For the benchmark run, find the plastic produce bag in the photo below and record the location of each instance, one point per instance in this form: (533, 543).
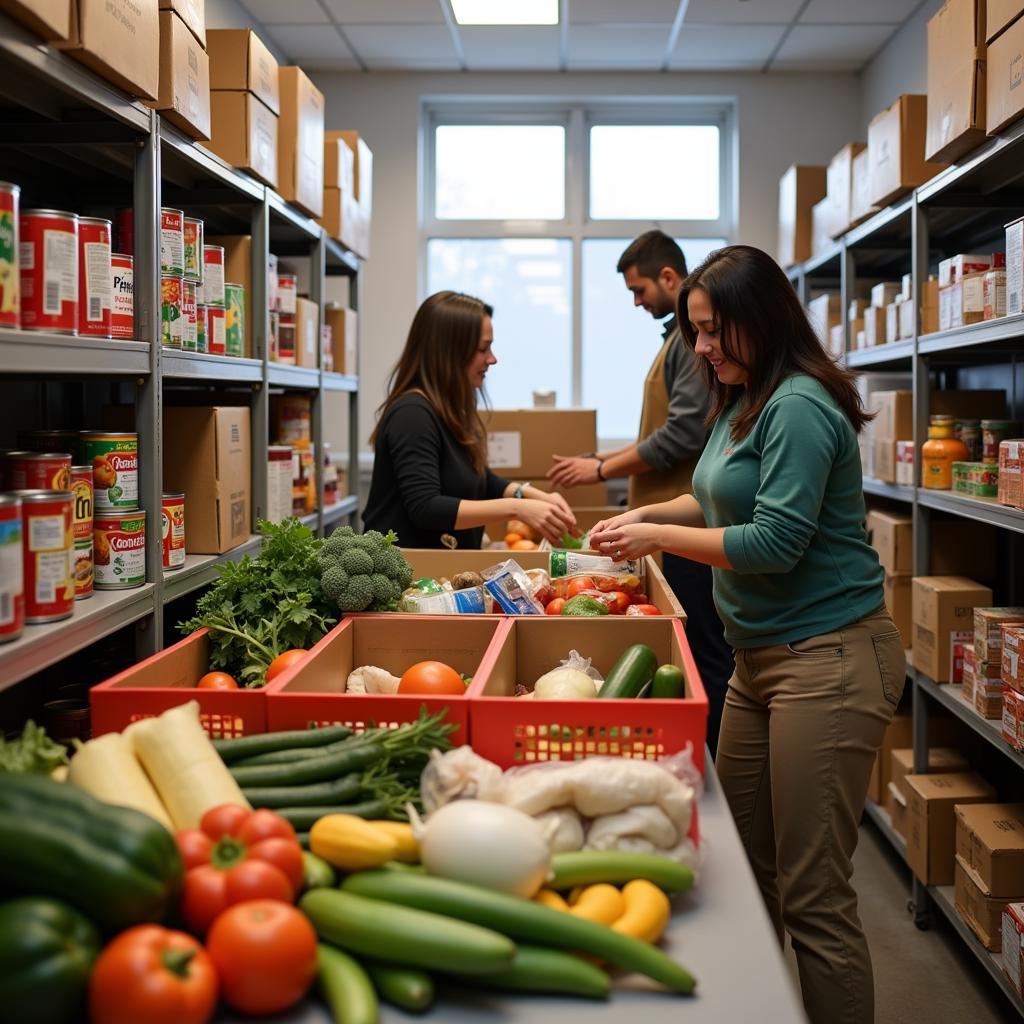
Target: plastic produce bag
(510, 587)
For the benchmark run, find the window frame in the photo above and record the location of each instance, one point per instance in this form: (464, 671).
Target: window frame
(577, 116)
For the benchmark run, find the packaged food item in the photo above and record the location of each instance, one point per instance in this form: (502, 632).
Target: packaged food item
(120, 549)
(115, 468)
(969, 431)
(1013, 718)
(193, 249)
(94, 295)
(939, 453)
(47, 546)
(470, 601)
(286, 341)
(81, 528)
(122, 300)
(1011, 479)
(287, 293)
(213, 275)
(172, 528)
(279, 482)
(189, 328)
(992, 432)
(571, 563)
(10, 308)
(215, 343)
(46, 471)
(510, 587)
(234, 320)
(48, 265)
(905, 463)
(172, 324)
(172, 242)
(12, 593)
(202, 317)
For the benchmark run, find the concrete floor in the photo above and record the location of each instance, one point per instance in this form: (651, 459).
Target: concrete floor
(920, 976)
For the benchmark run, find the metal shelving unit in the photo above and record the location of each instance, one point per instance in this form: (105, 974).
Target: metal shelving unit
(880, 816)
(881, 489)
(130, 157)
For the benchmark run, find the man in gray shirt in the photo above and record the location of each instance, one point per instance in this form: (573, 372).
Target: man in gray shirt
(660, 463)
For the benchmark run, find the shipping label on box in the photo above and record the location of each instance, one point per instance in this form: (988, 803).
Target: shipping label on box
(504, 449)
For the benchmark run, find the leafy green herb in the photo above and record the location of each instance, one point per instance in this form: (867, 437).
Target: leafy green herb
(32, 753)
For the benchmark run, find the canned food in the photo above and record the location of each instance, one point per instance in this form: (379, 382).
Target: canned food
(122, 301)
(94, 295)
(201, 317)
(234, 319)
(215, 330)
(992, 432)
(287, 293)
(52, 441)
(213, 275)
(189, 331)
(171, 319)
(120, 549)
(10, 311)
(279, 482)
(172, 514)
(81, 529)
(46, 548)
(969, 431)
(38, 471)
(48, 260)
(172, 242)
(193, 240)
(115, 468)
(12, 594)
(286, 341)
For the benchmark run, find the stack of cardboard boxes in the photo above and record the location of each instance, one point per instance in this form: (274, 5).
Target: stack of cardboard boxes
(901, 765)
(896, 147)
(300, 144)
(245, 102)
(184, 94)
(983, 672)
(800, 188)
(943, 612)
(972, 288)
(348, 190)
(1004, 36)
(826, 316)
(1012, 672)
(883, 295)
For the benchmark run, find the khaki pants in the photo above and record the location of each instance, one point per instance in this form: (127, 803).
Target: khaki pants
(802, 725)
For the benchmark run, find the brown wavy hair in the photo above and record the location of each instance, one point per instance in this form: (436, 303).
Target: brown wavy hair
(752, 298)
(444, 336)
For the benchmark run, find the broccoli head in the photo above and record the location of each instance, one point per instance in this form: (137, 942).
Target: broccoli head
(356, 562)
(334, 581)
(359, 595)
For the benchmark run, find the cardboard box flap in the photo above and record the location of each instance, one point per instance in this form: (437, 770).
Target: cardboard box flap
(949, 786)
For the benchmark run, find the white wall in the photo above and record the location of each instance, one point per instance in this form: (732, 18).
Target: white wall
(782, 118)
(231, 14)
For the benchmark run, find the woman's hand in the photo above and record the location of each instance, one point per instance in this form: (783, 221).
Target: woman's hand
(620, 540)
(550, 518)
(629, 518)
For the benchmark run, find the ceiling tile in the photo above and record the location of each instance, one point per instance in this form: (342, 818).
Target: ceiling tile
(707, 46)
(414, 64)
(617, 46)
(295, 12)
(510, 47)
(894, 12)
(637, 12)
(376, 12)
(309, 42)
(830, 67)
(853, 42)
(400, 43)
(743, 12)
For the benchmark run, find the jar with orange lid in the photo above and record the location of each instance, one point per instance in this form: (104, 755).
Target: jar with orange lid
(939, 453)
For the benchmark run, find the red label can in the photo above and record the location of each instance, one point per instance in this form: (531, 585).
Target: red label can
(287, 291)
(213, 275)
(120, 549)
(47, 546)
(172, 512)
(9, 283)
(48, 257)
(122, 296)
(94, 297)
(172, 321)
(189, 329)
(215, 337)
(38, 471)
(172, 242)
(81, 529)
(12, 594)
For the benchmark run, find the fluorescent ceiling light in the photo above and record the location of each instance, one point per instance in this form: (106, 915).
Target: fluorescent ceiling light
(505, 12)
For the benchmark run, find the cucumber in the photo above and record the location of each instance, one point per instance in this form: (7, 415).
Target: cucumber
(335, 791)
(404, 935)
(669, 682)
(302, 839)
(316, 872)
(317, 769)
(303, 818)
(346, 987)
(630, 674)
(517, 918)
(291, 754)
(404, 987)
(249, 746)
(588, 867)
(536, 969)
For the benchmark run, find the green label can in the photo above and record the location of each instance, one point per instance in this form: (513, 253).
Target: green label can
(172, 315)
(190, 328)
(119, 550)
(115, 468)
(234, 319)
(201, 328)
(9, 276)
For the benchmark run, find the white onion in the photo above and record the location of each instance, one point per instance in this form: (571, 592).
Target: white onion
(486, 844)
(564, 684)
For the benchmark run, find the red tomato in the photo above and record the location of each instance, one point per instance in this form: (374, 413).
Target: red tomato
(264, 825)
(224, 820)
(605, 583)
(265, 954)
(579, 583)
(639, 599)
(432, 677)
(217, 681)
(643, 609)
(555, 607)
(209, 891)
(283, 854)
(195, 847)
(545, 595)
(618, 602)
(286, 660)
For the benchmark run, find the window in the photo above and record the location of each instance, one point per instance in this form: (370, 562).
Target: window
(529, 208)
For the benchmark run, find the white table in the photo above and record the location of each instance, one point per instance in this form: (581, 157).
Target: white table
(720, 931)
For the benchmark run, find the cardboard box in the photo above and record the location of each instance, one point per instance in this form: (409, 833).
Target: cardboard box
(931, 820)
(241, 62)
(49, 19)
(894, 413)
(892, 322)
(982, 914)
(892, 536)
(300, 142)
(883, 459)
(994, 292)
(874, 326)
(1011, 482)
(990, 840)
(940, 759)
(799, 189)
(1011, 658)
(1013, 946)
(884, 293)
(184, 97)
(999, 14)
(238, 270)
(344, 326)
(243, 131)
(1004, 95)
(1013, 717)
(900, 733)
(898, 603)
(821, 226)
(307, 333)
(929, 307)
(861, 206)
(989, 626)
(339, 163)
(212, 466)
(956, 80)
(193, 13)
(943, 605)
(824, 313)
(341, 218)
(905, 319)
(362, 168)
(896, 144)
(839, 182)
(120, 41)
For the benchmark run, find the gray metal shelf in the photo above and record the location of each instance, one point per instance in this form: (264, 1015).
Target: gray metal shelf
(199, 570)
(285, 376)
(983, 510)
(954, 178)
(340, 382)
(880, 816)
(345, 507)
(821, 265)
(340, 258)
(881, 355)
(879, 488)
(989, 332)
(299, 222)
(210, 165)
(28, 353)
(864, 233)
(200, 366)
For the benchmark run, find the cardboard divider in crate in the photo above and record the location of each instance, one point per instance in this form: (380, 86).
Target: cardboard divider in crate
(168, 679)
(313, 692)
(437, 562)
(514, 731)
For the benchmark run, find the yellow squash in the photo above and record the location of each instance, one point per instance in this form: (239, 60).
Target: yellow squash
(647, 911)
(407, 846)
(602, 903)
(552, 899)
(350, 843)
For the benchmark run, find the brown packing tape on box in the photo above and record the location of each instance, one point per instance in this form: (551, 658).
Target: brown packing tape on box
(49, 19)
(244, 133)
(184, 97)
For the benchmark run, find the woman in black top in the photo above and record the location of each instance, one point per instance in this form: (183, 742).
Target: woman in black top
(430, 478)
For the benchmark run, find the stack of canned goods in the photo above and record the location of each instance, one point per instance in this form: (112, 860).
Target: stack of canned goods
(287, 292)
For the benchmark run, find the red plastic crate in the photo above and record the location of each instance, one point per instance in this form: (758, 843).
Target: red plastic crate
(311, 692)
(514, 731)
(168, 679)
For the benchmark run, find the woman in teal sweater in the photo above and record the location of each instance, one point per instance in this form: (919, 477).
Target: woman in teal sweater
(778, 512)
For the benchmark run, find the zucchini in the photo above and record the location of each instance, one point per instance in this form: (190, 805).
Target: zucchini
(669, 683)
(316, 872)
(316, 769)
(587, 867)
(250, 746)
(536, 969)
(303, 818)
(630, 674)
(404, 987)
(516, 918)
(404, 935)
(335, 791)
(346, 987)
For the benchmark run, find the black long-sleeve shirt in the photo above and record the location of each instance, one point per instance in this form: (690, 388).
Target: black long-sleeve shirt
(420, 474)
